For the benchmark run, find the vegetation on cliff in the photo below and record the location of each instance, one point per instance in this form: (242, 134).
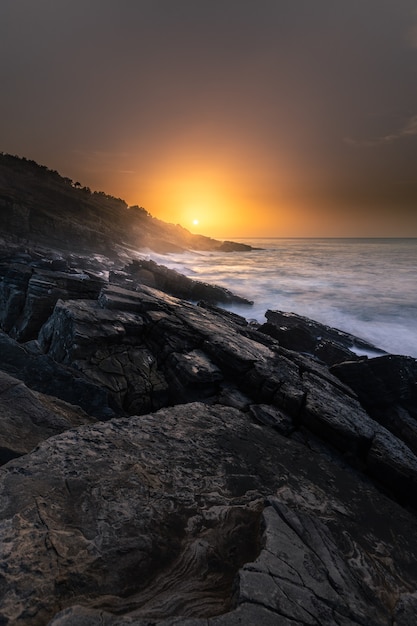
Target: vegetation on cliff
(40, 205)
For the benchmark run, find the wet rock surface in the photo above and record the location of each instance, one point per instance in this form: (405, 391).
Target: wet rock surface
(305, 335)
(147, 272)
(167, 462)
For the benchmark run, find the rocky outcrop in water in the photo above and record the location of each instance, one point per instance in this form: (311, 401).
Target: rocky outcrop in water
(305, 335)
(147, 272)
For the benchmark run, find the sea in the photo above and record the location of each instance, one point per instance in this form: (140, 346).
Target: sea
(367, 287)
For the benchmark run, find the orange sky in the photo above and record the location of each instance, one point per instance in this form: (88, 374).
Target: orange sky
(267, 118)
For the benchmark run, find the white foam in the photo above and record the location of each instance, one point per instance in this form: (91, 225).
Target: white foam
(363, 287)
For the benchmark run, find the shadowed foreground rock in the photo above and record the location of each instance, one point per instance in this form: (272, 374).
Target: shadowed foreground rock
(195, 512)
(27, 418)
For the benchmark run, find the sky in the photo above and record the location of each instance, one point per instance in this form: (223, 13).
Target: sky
(254, 118)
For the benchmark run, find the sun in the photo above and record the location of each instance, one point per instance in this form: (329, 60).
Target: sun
(195, 222)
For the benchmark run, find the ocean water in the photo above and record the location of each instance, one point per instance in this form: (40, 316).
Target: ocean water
(367, 287)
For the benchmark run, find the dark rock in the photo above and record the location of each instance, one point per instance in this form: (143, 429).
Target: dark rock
(14, 279)
(406, 610)
(28, 294)
(299, 333)
(193, 375)
(233, 246)
(387, 388)
(147, 349)
(227, 315)
(271, 416)
(13, 357)
(381, 381)
(166, 519)
(41, 373)
(27, 418)
(336, 417)
(45, 288)
(392, 463)
(106, 346)
(170, 281)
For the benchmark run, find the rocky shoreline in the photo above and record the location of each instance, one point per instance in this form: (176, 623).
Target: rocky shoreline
(166, 462)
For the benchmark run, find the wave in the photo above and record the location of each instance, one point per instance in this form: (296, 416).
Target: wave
(362, 286)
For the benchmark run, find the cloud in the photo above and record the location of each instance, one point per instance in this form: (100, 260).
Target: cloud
(409, 129)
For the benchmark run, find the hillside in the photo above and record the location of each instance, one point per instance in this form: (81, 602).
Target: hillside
(39, 205)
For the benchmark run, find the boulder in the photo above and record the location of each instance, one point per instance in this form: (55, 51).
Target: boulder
(105, 345)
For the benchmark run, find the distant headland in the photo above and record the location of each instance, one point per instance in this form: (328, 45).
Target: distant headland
(39, 205)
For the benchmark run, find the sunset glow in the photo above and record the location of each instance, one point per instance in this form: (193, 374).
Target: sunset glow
(255, 120)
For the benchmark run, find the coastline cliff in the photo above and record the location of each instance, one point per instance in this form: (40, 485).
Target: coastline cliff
(39, 205)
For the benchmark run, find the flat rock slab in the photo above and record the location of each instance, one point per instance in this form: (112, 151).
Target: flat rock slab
(196, 515)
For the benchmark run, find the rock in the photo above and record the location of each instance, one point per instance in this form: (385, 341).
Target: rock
(270, 416)
(196, 515)
(147, 350)
(193, 375)
(106, 346)
(387, 388)
(301, 574)
(14, 279)
(382, 381)
(336, 417)
(392, 463)
(299, 333)
(41, 373)
(406, 610)
(172, 282)
(233, 246)
(27, 418)
(28, 293)
(45, 288)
